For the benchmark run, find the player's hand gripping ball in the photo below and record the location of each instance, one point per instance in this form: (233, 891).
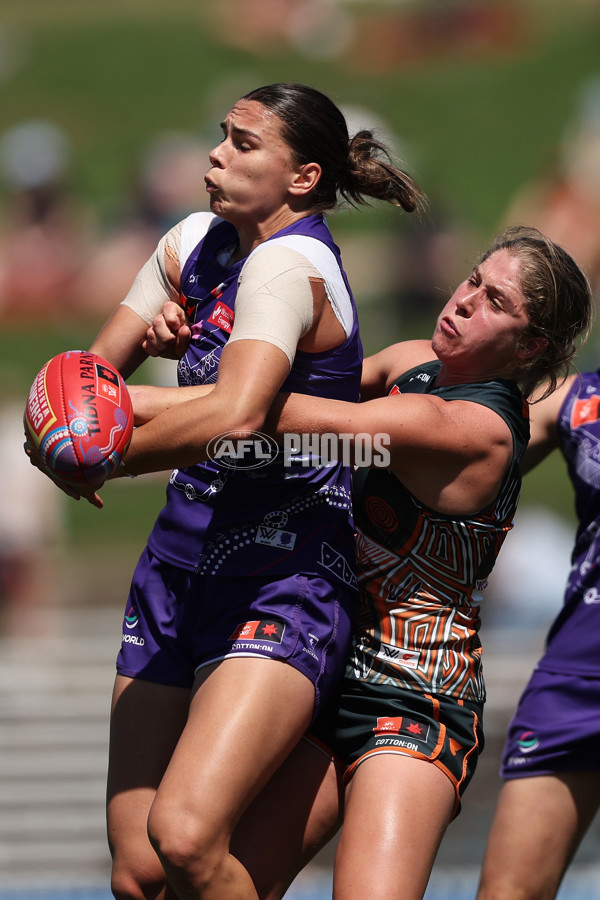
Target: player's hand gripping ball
(79, 418)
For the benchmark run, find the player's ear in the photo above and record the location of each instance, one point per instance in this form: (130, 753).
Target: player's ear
(305, 179)
(531, 347)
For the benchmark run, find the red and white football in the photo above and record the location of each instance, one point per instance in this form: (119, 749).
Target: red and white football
(79, 417)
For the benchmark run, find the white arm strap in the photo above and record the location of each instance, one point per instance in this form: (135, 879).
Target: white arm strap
(152, 288)
(274, 302)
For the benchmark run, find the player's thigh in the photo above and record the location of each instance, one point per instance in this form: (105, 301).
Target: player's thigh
(538, 825)
(294, 816)
(397, 810)
(146, 722)
(246, 716)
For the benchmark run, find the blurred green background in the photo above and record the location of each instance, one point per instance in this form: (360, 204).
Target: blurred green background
(479, 99)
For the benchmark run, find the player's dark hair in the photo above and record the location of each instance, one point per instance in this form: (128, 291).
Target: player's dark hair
(351, 168)
(559, 300)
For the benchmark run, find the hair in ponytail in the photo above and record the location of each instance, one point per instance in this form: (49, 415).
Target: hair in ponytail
(372, 173)
(352, 169)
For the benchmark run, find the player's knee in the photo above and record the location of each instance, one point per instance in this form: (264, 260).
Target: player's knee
(129, 885)
(186, 848)
(137, 873)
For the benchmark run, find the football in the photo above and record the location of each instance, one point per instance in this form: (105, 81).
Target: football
(79, 417)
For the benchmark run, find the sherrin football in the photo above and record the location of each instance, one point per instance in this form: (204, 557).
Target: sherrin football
(79, 417)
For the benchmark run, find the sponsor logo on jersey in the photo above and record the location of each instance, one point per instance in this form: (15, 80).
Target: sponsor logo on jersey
(398, 655)
(260, 630)
(222, 316)
(275, 537)
(417, 731)
(585, 409)
(190, 303)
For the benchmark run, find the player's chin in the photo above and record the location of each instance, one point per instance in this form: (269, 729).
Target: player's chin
(219, 206)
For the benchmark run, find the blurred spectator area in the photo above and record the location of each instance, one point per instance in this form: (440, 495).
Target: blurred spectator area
(57, 256)
(372, 40)
(44, 228)
(563, 200)
(32, 532)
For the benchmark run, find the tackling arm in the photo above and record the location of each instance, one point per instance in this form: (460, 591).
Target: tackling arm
(450, 454)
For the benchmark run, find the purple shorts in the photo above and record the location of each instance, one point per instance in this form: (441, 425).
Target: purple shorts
(177, 621)
(556, 727)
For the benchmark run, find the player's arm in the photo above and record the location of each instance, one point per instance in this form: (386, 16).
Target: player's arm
(250, 374)
(281, 285)
(448, 453)
(122, 340)
(381, 369)
(274, 309)
(544, 424)
(149, 400)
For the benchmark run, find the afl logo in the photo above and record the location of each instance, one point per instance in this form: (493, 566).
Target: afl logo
(249, 452)
(381, 514)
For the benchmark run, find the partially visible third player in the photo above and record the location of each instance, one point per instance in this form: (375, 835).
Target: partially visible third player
(552, 785)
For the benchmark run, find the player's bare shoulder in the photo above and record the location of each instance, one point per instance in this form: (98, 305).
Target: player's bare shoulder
(399, 358)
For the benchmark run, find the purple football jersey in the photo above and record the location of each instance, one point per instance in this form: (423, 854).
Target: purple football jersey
(573, 644)
(253, 519)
